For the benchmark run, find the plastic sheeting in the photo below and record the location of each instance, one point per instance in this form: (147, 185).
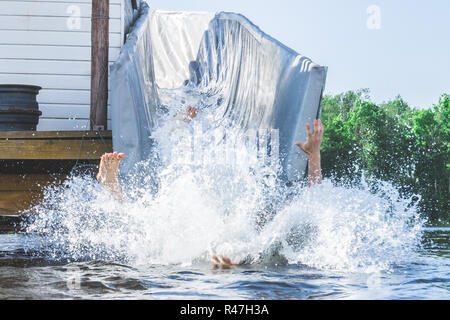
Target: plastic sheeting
(264, 84)
(130, 14)
(134, 97)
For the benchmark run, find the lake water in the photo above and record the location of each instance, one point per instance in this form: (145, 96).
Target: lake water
(211, 188)
(28, 274)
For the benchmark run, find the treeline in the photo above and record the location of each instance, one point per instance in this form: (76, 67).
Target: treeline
(391, 142)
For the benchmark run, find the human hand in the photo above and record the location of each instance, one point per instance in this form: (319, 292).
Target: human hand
(312, 145)
(222, 262)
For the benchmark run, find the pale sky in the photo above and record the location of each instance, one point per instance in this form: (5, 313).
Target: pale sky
(408, 55)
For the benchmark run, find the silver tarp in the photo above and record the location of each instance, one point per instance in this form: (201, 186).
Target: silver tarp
(264, 84)
(130, 13)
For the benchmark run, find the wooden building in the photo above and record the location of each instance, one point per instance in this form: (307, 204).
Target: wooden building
(47, 43)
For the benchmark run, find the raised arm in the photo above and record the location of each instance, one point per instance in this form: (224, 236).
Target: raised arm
(108, 174)
(312, 149)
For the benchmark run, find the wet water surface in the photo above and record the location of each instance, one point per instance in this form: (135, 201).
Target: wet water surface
(25, 274)
(209, 187)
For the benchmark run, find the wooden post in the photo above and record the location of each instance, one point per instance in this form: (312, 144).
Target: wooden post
(99, 64)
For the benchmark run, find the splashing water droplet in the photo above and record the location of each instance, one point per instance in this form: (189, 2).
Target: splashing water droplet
(184, 206)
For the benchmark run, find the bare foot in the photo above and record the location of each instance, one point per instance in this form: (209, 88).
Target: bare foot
(222, 262)
(109, 167)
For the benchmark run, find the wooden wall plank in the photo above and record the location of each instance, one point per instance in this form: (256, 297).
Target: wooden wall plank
(33, 135)
(64, 96)
(54, 149)
(42, 52)
(61, 111)
(70, 1)
(39, 46)
(50, 81)
(61, 96)
(55, 9)
(28, 182)
(53, 38)
(64, 124)
(51, 24)
(13, 202)
(46, 67)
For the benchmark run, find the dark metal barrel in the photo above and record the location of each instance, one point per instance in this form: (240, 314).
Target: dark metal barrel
(19, 110)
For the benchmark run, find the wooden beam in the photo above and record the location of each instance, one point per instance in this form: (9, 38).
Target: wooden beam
(32, 160)
(54, 145)
(19, 192)
(99, 64)
(13, 202)
(54, 134)
(10, 223)
(53, 149)
(29, 182)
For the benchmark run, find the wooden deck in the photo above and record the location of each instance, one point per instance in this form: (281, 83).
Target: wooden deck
(29, 161)
(54, 145)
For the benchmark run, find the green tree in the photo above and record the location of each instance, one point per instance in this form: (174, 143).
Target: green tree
(390, 142)
(430, 128)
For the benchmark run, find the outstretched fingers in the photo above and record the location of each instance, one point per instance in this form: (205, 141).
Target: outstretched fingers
(300, 145)
(312, 138)
(222, 262)
(226, 260)
(216, 261)
(320, 127)
(308, 130)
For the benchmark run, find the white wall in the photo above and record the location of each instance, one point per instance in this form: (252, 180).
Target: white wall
(48, 43)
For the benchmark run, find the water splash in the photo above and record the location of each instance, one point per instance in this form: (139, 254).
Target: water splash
(346, 229)
(207, 191)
